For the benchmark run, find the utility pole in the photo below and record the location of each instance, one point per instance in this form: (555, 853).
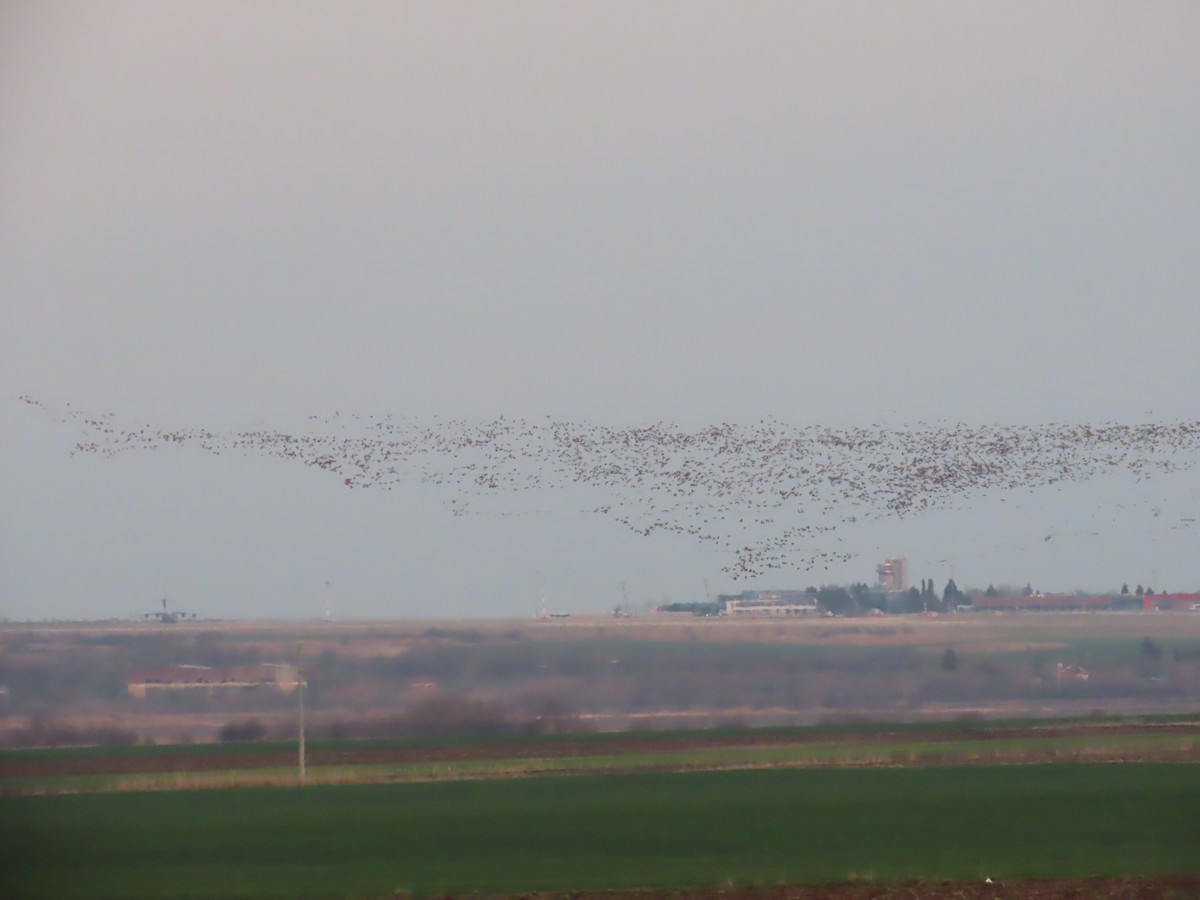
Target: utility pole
(300, 691)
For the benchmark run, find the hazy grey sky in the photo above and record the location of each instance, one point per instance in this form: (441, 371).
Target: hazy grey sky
(219, 214)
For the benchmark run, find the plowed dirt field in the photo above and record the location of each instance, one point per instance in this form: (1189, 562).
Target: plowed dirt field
(1172, 887)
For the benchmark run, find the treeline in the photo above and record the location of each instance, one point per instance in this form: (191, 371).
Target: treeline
(863, 599)
(43, 732)
(456, 683)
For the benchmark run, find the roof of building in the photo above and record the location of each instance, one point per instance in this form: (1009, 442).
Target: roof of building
(192, 674)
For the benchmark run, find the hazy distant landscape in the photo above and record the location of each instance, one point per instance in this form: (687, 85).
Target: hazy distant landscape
(70, 684)
(873, 756)
(491, 450)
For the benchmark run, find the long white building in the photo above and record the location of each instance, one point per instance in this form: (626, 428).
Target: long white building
(772, 603)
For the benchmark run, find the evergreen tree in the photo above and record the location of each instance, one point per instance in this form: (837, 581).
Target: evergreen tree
(951, 594)
(912, 602)
(836, 600)
(861, 593)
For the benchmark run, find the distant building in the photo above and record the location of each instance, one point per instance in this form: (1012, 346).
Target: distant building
(771, 603)
(1185, 602)
(1071, 673)
(1044, 603)
(892, 574)
(281, 677)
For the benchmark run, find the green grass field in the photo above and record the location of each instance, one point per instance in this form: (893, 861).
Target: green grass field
(140, 768)
(656, 830)
(967, 727)
(1169, 747)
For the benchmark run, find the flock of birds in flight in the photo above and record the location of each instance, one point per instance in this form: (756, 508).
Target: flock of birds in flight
(770, 495)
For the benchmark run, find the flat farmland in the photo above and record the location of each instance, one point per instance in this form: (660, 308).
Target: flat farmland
(92, 769)
(905, 757)
(68, 682)
(653, 830)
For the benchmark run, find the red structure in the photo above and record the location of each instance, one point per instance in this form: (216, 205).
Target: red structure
(1171, 601)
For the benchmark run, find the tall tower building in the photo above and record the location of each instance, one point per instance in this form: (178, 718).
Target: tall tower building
(892, 574)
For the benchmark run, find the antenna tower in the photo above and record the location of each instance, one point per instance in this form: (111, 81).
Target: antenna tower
(300, 691)
(541, 591)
